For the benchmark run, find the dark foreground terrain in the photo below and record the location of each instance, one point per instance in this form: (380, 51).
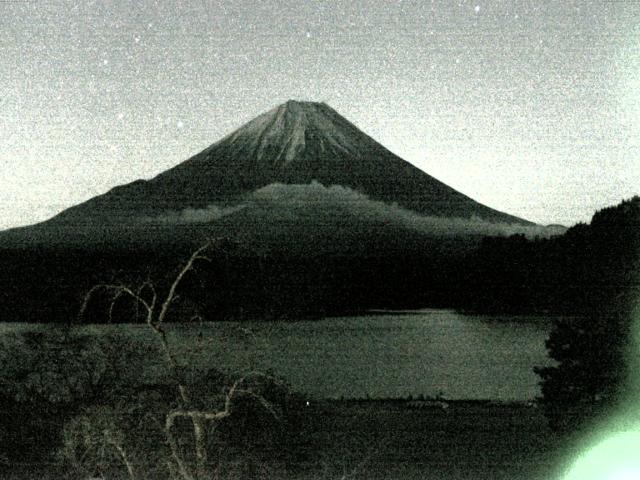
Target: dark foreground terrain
(410, 440)
(421, 440)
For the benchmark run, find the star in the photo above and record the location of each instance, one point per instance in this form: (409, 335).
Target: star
(477, 9)
(180, 124)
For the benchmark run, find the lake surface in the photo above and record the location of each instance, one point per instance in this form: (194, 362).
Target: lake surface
(386, 354)
(427, 352)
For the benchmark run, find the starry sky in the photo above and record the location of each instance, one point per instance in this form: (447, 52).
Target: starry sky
(530, 107)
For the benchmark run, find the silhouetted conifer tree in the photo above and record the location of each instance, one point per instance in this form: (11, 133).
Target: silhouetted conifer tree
(591, 348)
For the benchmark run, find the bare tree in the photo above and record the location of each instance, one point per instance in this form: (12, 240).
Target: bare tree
(155, 309)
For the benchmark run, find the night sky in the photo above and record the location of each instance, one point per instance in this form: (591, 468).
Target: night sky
(529, 107)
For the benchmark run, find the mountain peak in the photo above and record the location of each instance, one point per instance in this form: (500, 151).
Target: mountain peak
(282, 133)
(302, 104)
(300, 111)
(303, 110)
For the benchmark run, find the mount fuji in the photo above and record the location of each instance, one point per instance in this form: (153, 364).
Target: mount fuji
(296, 143)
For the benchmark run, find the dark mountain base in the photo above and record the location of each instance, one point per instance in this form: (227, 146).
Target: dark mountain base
(234, 286)
(575, 273)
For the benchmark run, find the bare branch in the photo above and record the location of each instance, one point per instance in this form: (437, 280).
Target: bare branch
(175, 453)
(146, 296)
(235, 389)
(199, 417)
(268, 406)
(113, 302)
(123, 454)
(195, 414)
(170, 298)
(117, 290)
(148, 284)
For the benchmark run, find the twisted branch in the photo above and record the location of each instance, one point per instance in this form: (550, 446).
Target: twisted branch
(155, 319)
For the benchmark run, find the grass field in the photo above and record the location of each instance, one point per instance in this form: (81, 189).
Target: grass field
(390, 440)
(468, 440)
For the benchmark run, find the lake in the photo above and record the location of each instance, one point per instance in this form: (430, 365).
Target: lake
(381, 354)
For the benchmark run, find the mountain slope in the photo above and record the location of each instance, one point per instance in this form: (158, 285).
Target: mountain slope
(295, 143)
